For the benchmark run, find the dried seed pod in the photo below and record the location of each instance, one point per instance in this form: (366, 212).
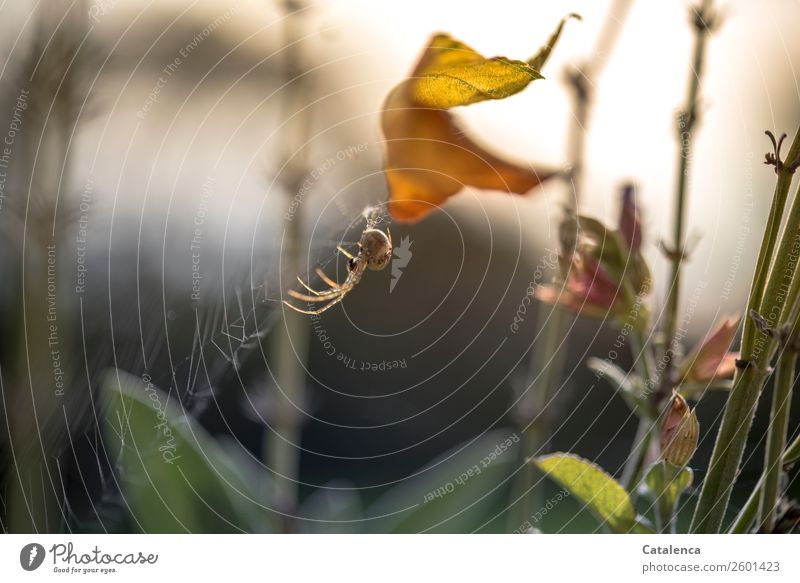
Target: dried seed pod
(679, 432)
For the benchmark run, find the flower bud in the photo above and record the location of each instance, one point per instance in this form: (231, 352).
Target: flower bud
(679, 432)
(603, 273)
(587, 290)
(710, 360)
(630, 224)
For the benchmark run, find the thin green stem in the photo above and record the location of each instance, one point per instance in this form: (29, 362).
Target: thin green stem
(746, 515)
(643, 356)
(769, 241)
(778, 302)
(741, 524)
(634, 468)
(549, 360)
(767, 247)
(686, 128)
(757, 352)
(289, 343)
(665, 511)
(776, 438)
(792, 453)
(537, 432)
(728, 448)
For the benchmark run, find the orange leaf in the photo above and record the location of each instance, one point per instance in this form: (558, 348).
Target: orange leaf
(429, 159)
(428, 156)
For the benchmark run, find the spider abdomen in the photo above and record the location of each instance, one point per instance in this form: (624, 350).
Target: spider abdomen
(376, 248)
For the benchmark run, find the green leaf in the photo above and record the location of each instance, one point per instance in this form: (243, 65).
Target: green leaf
(450, 73)
(459, 492)
(174, 476)
(696, 391)
(669, 482)
(620, 380)
(601, 493)
(792, 453)
(334, 508)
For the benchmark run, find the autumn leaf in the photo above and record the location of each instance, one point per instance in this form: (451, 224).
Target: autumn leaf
(429, 159)
(468, 78)
(428, 156)
(597, 490)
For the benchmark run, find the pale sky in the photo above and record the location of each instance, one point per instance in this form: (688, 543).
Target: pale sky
(368, 46)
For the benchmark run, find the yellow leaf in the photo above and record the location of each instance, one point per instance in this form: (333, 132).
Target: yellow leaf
(444, 51)
(540, 58)
(451, 73)
(428, 156)
(472, 82)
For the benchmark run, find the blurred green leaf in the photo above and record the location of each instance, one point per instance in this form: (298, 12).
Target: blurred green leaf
(792, 453)
(620, 380)
(601, 493)
(174, 476)
(668, 482)
(458, 492)
(695, 391)
(334, 508)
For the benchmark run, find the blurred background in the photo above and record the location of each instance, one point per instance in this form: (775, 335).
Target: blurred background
(168, 168)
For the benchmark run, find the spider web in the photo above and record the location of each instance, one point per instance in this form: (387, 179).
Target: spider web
(244, 312)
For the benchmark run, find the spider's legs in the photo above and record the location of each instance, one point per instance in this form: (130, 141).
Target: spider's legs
(320, 297)
(327, 306)
(332, 296)
(327, 279)
(344, 252)
(330, 304)
(321, 294)
(309, 288)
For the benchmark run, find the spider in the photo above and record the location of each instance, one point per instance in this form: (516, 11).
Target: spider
(374, 252)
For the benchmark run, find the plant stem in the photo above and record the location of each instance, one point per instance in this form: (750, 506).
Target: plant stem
(748, 512)
(768, 245)
(770, 238)
(685, 135)
(742, 522)
(289, 342)
(776, 438)
(665, 511)
(39, 421)
(728, 449)
(756, 355)
(549, 362)
(792, 453)
(634, 468)
(637, 459)
(538, 392)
